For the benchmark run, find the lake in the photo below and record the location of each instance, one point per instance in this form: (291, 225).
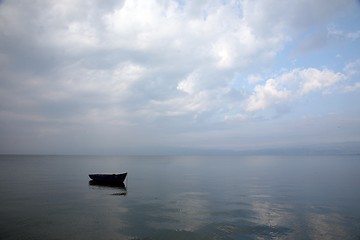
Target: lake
(181, 197)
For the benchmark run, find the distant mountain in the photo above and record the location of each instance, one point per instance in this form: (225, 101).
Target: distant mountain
(342, 148)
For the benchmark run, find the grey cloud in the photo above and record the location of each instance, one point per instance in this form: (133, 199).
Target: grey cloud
(313, 42)
(290, 16)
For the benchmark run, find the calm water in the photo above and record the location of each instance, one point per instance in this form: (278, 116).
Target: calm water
(49, 197)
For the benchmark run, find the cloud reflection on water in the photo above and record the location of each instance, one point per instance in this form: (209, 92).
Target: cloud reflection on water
(188, 211)
(326, 226)
(259, 216)
(298, 221)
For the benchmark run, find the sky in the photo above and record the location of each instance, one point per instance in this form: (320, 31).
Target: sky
(178, 76)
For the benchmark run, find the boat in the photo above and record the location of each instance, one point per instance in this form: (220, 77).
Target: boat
(108, 178)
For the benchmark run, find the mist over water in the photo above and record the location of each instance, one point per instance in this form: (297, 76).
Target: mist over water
(182, 197)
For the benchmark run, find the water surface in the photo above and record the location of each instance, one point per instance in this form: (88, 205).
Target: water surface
(242, 197)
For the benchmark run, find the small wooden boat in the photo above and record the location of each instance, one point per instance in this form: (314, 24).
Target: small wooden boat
(108, 178)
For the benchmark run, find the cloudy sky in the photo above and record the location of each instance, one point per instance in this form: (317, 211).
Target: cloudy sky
(162, 76)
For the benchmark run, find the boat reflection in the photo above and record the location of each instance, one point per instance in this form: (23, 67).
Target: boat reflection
(102, 185)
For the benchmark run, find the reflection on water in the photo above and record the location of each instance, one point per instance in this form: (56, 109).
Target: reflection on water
(180, 198)
(120, 187)
(187, 211)
(326, 226)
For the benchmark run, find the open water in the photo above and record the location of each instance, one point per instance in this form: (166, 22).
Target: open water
(183, 197)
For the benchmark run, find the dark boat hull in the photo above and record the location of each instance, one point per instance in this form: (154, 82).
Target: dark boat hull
(108, 178)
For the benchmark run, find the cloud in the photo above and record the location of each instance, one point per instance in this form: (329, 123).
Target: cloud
(334, 32)
(273, 17)
(291, 85)
(188, 85)
(266, 95)
(351, 88)
(133, 63)
(314, 79)
(352, 69)
(313, 42)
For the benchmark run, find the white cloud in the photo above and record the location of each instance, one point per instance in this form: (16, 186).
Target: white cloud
(266, 95)
(351, 88)
(353, 68)
(236, 118)
(290, 85)
(338, 33)
(188, 85)
(314, 79)
(254, 78)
